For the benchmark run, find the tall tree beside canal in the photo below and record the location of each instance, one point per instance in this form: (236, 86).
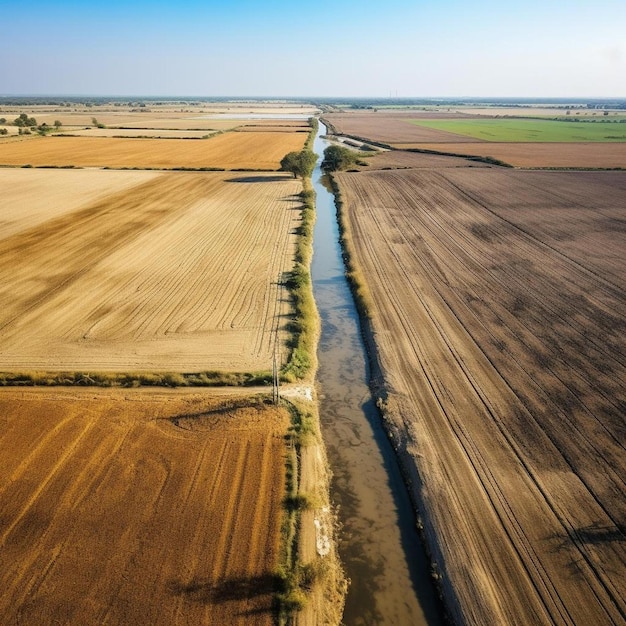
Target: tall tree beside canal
(299, 163)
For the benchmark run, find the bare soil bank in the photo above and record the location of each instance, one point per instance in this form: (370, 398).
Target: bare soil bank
(497, 302)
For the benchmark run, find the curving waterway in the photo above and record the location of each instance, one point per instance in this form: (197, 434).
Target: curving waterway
(378, 543)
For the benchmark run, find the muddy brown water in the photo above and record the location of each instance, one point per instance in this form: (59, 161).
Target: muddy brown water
(378, 542)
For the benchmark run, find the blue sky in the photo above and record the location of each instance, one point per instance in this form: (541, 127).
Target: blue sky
(342, 48)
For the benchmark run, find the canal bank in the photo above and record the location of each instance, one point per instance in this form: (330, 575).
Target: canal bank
(381, 551)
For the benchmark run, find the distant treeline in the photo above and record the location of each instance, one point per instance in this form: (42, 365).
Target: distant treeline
(357, 103)
(561, 103)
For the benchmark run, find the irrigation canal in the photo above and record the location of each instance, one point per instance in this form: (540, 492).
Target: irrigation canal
(378, 542)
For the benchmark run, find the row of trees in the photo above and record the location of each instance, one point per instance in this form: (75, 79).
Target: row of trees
(27, 124)
(335, 158)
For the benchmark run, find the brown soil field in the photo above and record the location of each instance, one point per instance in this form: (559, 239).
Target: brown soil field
(174, 272)
(392, 128)
(395, 129)
(400, 159)
(498, 303)
(230, 151)
(131, 508)
(530, 155)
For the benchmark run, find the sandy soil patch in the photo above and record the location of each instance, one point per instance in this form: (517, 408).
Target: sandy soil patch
(139, 508)
(181, 272)
(581, 155)
(498, 302)
(228, 151)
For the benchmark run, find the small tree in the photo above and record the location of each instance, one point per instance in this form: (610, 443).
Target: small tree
(299, 163)
(57, 124)
(23, 121)
(338, 158)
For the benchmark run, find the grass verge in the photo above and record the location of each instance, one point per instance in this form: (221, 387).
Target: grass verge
(358, 284)
(305, 327)
(135, 379)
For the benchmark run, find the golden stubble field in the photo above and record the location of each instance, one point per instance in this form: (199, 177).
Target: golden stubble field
(139, 508)
(262, 151)
(497, 301)
(119, 271)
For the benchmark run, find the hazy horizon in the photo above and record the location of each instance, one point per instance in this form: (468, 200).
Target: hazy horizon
(333, 49)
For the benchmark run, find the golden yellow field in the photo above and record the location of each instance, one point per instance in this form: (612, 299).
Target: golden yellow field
(104, 270)
(262, 151)
(139, 508)
(138, 132)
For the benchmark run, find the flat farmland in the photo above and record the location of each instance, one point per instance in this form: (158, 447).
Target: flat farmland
(260, 151)
(139, 508)
(529, 155)
(119, 271)
(140, 132)
(497, 302)
(525, 130)
(563, 145)
(391, 128)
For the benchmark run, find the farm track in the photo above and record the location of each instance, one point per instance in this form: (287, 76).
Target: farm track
(184, 271)
(144, 510)
(502, 351)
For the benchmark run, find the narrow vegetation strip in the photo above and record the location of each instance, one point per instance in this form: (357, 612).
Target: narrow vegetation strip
(311, 583)
(305, 327)
(135, 379)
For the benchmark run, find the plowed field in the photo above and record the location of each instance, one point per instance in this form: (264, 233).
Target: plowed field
(575, 155)
(498, 304)
(397, 130)
(262, 150)
(178, 271)
(138, 508)
(391, 128)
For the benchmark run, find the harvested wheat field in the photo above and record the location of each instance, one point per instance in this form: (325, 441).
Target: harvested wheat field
(498, 302)
(259, 151)
(139, 508)
(139, 132)
(119, 271)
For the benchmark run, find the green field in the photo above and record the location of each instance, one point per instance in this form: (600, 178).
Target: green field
(537, 130)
